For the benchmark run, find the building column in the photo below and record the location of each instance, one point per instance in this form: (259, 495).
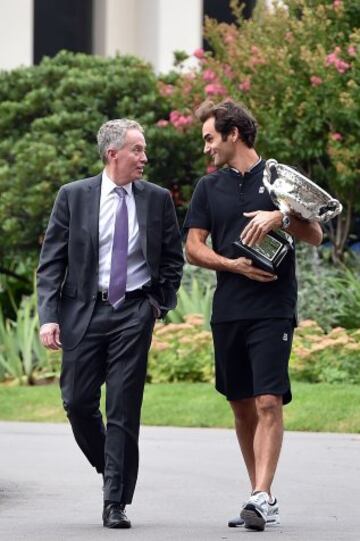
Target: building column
(16, 30)
(150, 29)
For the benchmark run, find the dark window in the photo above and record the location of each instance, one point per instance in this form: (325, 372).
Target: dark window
(65, 24)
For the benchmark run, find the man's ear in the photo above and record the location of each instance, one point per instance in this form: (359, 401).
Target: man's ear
(111, 154)
(235, 135)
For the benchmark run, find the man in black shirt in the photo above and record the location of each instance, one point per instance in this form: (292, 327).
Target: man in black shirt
(253, 310)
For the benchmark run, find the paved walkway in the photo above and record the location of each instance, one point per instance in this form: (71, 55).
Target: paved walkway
(191, 481)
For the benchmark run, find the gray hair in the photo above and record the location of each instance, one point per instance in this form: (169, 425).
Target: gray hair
(112, 134)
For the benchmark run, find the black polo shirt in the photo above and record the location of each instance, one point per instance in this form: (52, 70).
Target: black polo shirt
(217, 205)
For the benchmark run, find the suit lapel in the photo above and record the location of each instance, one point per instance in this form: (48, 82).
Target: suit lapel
(93, 209)
(141, 204)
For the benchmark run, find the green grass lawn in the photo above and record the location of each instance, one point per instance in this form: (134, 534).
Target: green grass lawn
(315, 407)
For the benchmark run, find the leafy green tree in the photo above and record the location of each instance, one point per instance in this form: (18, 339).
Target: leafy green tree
(49, 117)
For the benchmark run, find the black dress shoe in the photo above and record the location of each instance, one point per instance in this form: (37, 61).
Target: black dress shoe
(114, 516)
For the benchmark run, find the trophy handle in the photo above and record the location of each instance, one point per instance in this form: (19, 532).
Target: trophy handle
(330, 210)
(271, 174)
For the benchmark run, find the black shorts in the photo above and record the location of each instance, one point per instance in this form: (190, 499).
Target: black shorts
(252, 358)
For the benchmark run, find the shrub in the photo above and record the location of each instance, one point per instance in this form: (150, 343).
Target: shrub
(181, 352)
(328, 294)
(328, 358)
(184, 352)
(346, 286)
(22, 357)
(194, 296)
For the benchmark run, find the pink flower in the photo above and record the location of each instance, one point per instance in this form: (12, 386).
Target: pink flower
(183, 121)
(228, 71)
(199, 53)
(333, 59)
(336, 136)
(180, 121)
(162, 123)
(230, 36)
(215, 89)
(256, 58)
(245, 85)
(315, 80)
(351, 50)
(174, 115)
(211, 169)
(337, 4)
(209, 76)
(166, 90)
(341, 66)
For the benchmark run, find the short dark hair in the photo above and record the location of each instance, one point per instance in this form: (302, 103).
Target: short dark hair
(229, 115)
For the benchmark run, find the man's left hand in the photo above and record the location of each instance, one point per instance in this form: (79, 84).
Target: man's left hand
(262, 222)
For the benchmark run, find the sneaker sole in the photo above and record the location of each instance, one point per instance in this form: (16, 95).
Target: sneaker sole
(270, 521)
(253, 520)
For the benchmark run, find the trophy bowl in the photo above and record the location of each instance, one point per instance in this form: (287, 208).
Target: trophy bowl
(295, 194)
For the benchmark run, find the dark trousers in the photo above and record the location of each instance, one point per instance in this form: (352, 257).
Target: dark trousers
(114, 350)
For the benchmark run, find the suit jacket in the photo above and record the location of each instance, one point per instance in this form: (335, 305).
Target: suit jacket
(67, 276)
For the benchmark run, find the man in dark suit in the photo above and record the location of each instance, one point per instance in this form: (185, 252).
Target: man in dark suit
(111, 263)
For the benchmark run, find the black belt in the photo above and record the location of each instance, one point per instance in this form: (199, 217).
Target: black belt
(134, 294)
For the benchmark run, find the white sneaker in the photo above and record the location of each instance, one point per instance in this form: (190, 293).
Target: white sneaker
(273, 516)
(255, 511)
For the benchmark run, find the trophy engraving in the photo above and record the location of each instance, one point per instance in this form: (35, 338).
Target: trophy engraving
(269, 253)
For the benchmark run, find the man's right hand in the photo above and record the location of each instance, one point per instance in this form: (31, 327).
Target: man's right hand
(245, 266)
(50, 336)
(198, 253)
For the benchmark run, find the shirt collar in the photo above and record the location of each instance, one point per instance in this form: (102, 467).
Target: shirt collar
(108, 185)
(250, 168)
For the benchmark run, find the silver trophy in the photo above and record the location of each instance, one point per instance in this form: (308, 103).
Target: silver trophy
(294, 194)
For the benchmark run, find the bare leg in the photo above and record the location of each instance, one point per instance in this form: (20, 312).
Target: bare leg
(268, 440)
(246, 422)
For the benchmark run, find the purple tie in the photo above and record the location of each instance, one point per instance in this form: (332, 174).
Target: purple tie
(118, 272)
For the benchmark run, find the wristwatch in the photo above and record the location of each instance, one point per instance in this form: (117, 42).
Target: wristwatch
(285, 222)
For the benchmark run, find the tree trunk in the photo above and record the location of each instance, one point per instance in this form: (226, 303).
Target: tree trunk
(339, 232)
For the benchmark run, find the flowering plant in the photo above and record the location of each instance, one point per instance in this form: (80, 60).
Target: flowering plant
(297, 68)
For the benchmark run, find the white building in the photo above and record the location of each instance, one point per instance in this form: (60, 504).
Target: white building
(151, 29)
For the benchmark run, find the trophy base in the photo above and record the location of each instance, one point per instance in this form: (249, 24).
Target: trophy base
(267, 255)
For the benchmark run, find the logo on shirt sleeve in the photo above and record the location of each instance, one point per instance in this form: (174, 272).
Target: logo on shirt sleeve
(262, 189)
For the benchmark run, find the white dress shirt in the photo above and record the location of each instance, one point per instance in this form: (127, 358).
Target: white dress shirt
(137, 270)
